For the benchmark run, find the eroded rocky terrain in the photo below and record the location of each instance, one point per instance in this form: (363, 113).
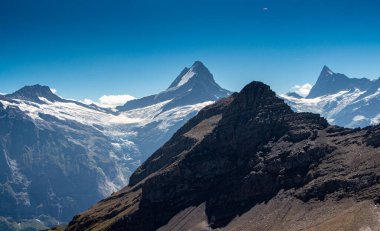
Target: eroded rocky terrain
(248, 162)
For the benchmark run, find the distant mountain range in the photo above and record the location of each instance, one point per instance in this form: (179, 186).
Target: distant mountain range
(344, 101)
(248, 162)
(59, 156)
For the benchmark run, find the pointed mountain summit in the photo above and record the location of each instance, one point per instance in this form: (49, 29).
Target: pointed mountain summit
(330, 82)
(197, 72)
(326, 72)
(193, 85)
(35, 93)
(343, 101)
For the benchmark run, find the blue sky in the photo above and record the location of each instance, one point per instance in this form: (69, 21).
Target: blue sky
(86, 49)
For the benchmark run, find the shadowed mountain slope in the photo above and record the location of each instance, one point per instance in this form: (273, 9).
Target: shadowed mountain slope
(242, 155)
(59, 156)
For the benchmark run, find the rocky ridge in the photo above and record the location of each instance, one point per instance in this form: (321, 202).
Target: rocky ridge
(249, 152)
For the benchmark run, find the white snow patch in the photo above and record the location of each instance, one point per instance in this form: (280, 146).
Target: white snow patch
(375, 120)
(19, 179)
(343, 99)
(328, 105)
(43, 99)
(368, 98)
(170, 117)
(122, 119)
(4, 103)
(16, 175)
(186, 77)
(107, 187)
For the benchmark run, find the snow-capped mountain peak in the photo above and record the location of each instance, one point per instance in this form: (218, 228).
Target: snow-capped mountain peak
(326, 72)
(193, 85)
(330, 82)
(35, 93)
(344, 101)
(198, 71)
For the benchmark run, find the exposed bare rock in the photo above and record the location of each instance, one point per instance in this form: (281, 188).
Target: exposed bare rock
(249, 162)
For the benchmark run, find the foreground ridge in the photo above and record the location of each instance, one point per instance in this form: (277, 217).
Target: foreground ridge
(249, 162)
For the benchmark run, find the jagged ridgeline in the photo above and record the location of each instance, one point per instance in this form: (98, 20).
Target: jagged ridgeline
(343, 101)
(248, 162)
(59, 156)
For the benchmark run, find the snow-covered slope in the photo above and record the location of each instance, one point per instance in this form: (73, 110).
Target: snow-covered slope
(344, 101)
(54, 151)
(193, 85)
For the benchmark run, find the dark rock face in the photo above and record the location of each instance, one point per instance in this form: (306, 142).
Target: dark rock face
(235, 154)
(42, 169)
(374, 136)
(193, 85)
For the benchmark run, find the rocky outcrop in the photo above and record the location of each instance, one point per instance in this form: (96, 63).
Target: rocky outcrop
(242, 154)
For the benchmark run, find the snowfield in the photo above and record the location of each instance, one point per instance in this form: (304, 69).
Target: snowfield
(345, 108)
(121, 129)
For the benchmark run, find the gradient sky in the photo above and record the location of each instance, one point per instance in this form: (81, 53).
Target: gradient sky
(90, 48)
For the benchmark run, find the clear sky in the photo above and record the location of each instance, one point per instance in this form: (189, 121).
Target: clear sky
(90, 48)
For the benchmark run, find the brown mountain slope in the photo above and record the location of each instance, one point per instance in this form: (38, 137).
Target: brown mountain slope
(250, 163)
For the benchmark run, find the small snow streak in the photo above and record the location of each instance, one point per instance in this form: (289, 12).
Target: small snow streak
(186, 77)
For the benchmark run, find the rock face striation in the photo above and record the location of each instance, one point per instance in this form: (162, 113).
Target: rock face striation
(248, 162)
